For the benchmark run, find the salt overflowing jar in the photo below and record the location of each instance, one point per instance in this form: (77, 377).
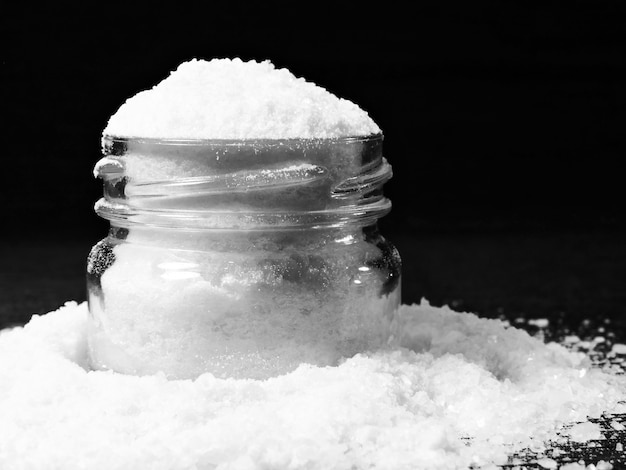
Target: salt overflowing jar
(241, 258)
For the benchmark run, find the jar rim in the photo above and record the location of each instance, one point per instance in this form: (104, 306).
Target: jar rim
(155, 141)
(351, 192)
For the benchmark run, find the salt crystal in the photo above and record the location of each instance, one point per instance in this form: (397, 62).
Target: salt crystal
(571, 339)
(603, 465)
(617, 426)
(547, 463)
(539, 322)
(235, 99)
(619, 349)
(619, 447)
(572, 466)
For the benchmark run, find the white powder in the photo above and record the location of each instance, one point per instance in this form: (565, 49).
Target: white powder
(233, 99)
(457, 391)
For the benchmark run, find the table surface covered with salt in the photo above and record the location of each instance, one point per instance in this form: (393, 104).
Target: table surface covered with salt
(455, 391)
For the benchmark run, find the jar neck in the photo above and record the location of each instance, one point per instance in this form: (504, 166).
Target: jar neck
(243, 185)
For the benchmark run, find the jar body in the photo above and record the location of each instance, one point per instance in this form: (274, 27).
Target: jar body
(240, 258)
(243, 304)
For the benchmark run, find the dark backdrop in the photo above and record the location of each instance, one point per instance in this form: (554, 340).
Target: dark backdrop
(504, 122)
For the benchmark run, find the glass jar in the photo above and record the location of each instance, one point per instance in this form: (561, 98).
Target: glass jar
(240, 258)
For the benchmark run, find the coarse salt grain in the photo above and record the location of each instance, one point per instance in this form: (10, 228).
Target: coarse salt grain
(573, 466)
(235, 99)
(602, 465)
(539, 322)
(435, 400)
(547, 463)
(571, 339)
(618, 349)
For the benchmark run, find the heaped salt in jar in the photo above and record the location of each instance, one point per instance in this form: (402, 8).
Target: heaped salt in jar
(240, 257)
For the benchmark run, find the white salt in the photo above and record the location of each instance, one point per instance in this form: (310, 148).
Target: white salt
(602, 465)
(571, 339)
(539, 322)
(618, 349)
(583, 432)
(580, 465)
(547, 463)
(235, 99)
(573, 466)
(435, 400)
(224, 306)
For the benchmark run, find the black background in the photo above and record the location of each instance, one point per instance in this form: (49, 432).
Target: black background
(504, 122)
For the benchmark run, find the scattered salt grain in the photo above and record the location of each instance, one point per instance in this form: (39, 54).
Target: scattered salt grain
(547, 463)
(619, 447)
(602, 465)
(539, 322)
(571, 339)
(618, 349)
(235, 99)
(617, 426)
(572, 466)
(435, 400)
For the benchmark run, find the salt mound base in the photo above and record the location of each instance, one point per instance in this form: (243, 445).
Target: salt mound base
(455, 390)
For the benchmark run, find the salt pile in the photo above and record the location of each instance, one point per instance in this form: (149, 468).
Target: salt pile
(244, 100)
(456, 390)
